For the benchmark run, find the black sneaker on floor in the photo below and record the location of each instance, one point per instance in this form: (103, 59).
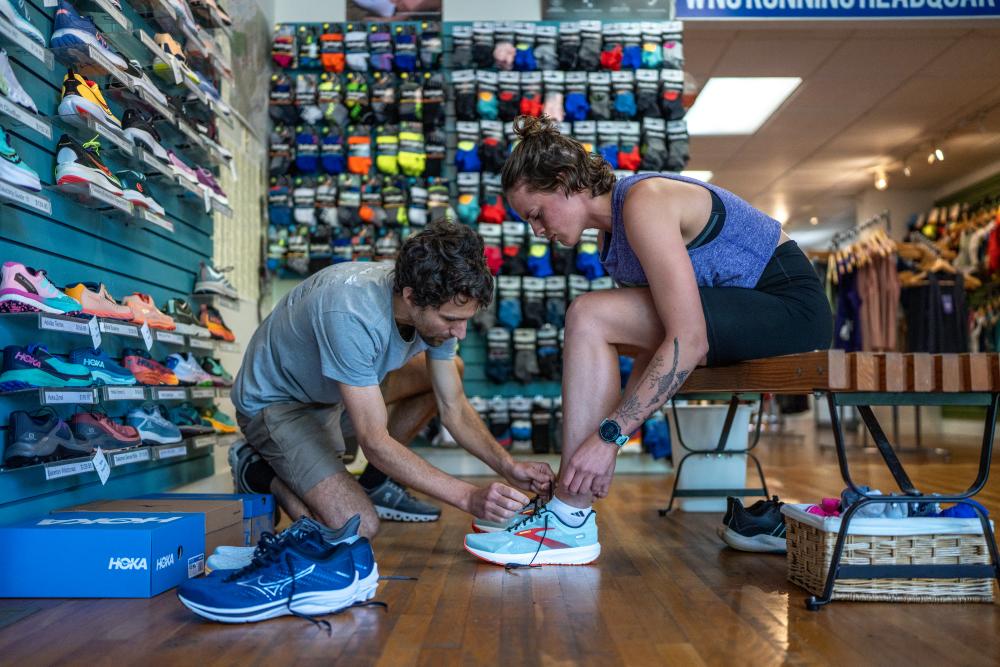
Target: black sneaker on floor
(760, 527)
(394, 503)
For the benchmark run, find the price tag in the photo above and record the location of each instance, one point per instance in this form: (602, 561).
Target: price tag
(100, 464)
(199, 343)
(61, 397)
(232, 169)
(68, 469)
(170, 394)
(171, 452)
(147, 335)
(95, 332)
(203, 393)
(124, 393)
(203, 441)
(125, 458)
(208, 199)
(168, 337)
(175, 66)
(25, 198)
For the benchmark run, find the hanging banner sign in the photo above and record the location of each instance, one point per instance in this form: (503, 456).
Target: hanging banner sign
(606, 10)
(734, 10)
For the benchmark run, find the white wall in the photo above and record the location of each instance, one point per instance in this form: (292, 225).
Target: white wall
(267, 7)
(901, 204)
(306, 11)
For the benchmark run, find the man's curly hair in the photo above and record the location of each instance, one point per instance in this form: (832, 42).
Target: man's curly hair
(444, 262)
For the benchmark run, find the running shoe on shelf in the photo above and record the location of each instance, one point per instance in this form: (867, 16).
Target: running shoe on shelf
(13, 169)
(142, 81)
(133, 183)
(180, 169)
(10, 86)
(172, 49)
(187, 418)
(144, 310)
(103, 369)
(147, 371)
(26, 290)
(139, 128)
(96, 429)
(211, 319)
(39, 437)
(33, 366)
(153, 426)
(213, 281)
(83, 97)
(71, 29)
(183, 11)
(184, 318)
(220, 376)
(97, 301)
(219, 420)
(16, 11)
(187, 370)
(81, 163)
(206, 179)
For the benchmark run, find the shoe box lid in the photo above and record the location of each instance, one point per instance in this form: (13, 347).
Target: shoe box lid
(222, 520)
(100, 554)
(258, 510)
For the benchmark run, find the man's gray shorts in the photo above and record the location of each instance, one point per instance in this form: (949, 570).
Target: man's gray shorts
(303, 442)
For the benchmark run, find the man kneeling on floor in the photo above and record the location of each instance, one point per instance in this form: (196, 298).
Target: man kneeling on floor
(367, 351)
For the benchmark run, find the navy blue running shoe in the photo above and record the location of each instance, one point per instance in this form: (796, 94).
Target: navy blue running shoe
(33, 366)
(103, 369)
(40, 437)
(300, 575)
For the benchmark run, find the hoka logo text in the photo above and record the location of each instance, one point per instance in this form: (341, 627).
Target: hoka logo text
(125, 563)
(163, 562)
(28, 359)
(96, 363)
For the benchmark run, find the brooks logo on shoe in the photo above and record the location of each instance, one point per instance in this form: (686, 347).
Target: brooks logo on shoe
(273, 589)
(28, 359)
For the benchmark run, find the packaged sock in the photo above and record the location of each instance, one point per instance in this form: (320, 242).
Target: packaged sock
(509, 301)
(589, 54)
(577, 107)
(332, 151)
(406, 49)
(359, 150)
(647, 100)
(433, 111)
(499, 358)
(463, 84)
(562, 259)
(545, 48)
(493, 241)
(330, 98)
(394, 203)
(279, 203)
(461, 44)
(540, 258)
(514, 262)
(611, 53)
(504, 50)
(500, 416)
(509, 96)
(549, 361)
(520, 417)
(305, 89)
(553, 105)
(631, 35)
(383, 99)
(487, 105)
(492, 210)
(417, 210)
(525, 361)
(568, 45)
(431, 47)
(524, 44)
(371, 211)
(588, 262)
(411, 98)
(326, 200)
(356, 99)
(585, 131)
(599, 84)
(624, 104)
(283, 47)
(671, 93)
(280, 150)
(541, 418)
(532, 302)
(436, 151)
(628, 147)
(652, 45)
(467, 147)
(438, 201)
(482, 45)
(356, 47)
(387, 150)
(577, 284)
(677, 142)
(673, 45)
(492, 152)
(654, 145)
(304, 201)
(412, 156)
(308, 43)
(348, 201)
(306, 150)
(331, 47)
(607, 141)
(531, 94)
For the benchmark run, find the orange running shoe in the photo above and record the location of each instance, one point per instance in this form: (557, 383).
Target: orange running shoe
(145, 310)
(212, 320)
(98, 301)
(147, 371)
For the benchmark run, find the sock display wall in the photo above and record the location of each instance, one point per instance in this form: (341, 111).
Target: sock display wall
(379, 128)
(108, 186)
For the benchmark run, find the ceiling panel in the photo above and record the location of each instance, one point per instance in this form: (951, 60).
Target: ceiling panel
(786, 57)
(881, 59)
(970, 57)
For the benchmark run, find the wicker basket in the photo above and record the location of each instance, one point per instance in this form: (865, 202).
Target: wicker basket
(811, 540)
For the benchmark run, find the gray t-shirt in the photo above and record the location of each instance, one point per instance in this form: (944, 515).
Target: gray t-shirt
(336, 326)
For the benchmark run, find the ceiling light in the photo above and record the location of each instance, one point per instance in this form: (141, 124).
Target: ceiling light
(738, 105)
(907, 171)
(781, 214)
(931, 158)
(703, 176)
(939, 154)
(814, 220)
(881, 181)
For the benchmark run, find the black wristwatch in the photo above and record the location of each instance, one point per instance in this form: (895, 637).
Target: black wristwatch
(611, 432)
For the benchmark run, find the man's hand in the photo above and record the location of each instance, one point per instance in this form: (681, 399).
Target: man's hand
(591, 468)
(534, 475)
(496, 502)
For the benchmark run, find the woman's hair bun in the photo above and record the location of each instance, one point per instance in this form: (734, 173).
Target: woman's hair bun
(530, 126)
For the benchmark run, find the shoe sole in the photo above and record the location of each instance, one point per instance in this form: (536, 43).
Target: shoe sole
(756, 544)
(103, 377)
(71, 172)
(145, 140)
(215, 288)
(312, 604)
(28, 301)
(387, 514)
(71, 37)
(39, 378)
(19, 177)
(110, 443)
(8, 11)
(80, 106)
(181, 173)
(142, 201)
(568, 556)
(159, 439)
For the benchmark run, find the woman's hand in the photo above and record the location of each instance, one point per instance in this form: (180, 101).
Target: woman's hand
(591, 468)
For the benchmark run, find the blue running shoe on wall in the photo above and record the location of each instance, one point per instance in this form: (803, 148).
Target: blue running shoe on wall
(153, 426)
(39, 437)
(299, 575)
(103, 369)
(16, 11)
(71, 29)
(13, 169)
(33, 366)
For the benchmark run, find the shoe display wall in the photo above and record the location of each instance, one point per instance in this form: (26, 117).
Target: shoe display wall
(111, 176)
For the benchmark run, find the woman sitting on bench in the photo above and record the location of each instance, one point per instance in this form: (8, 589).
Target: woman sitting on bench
(705, 279)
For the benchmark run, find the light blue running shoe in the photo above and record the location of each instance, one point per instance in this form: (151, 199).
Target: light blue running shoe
(541, 539)
(13, 169)
(16, 12)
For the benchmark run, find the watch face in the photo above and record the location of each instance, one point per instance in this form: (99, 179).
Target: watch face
(609, 430)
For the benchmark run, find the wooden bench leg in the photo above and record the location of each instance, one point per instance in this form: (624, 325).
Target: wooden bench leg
(910, 494)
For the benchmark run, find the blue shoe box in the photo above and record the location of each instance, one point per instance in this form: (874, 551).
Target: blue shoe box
(258, 510)
(100, 554)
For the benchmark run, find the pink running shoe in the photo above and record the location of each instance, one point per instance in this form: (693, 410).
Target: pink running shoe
(180, 169)
(25, 290)
(206, 178)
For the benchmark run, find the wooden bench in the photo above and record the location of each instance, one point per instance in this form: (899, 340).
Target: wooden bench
(861, 380)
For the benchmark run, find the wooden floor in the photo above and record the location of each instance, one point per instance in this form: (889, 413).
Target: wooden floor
(665, 591)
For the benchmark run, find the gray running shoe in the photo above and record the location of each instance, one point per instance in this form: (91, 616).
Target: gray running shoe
(394, 503)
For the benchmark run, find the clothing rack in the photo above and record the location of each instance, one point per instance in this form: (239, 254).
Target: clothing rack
(853, 232)
(926, 242)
